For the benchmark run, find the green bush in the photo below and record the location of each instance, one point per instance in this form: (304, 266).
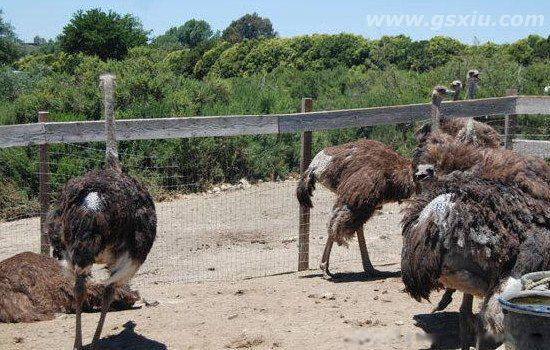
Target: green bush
(252, 77)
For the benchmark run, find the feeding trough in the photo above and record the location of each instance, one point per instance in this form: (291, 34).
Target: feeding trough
(527, 313)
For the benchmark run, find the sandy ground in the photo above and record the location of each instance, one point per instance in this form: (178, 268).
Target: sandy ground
(205, 273)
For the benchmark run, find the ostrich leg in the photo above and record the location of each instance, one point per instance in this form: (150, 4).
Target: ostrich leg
(467, 321)
(367, 265)
(326, 257)
(79, 293)
(108, 295)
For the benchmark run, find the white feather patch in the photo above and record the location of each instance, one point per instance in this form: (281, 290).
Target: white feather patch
(122, 270)
(320, 163)
(93, 201)
(438, 209)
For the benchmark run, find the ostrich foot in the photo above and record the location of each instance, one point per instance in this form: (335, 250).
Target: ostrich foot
(326, 273)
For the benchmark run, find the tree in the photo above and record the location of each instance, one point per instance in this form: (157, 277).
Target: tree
(190, 35)
(103, 34)
(194, 32)
(249, 26)
(10, 48)
(39, 41)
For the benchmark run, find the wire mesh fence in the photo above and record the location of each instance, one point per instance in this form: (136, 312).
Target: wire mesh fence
(225, 231)
(232, 229)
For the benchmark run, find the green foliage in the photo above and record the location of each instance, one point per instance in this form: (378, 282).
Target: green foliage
(183, 61)
(190, 35)
(533, 48)
(10, 46)
(258, 76)
(204, 65)
(249, 26)
(103, 34)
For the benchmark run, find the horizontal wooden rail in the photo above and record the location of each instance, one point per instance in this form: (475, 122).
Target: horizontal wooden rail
(539, 148)
(164, 128)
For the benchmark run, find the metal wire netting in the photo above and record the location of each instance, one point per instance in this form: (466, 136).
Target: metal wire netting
(224, 231)
(229, 231)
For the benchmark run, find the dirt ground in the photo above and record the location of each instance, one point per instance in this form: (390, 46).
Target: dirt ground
(205, 272)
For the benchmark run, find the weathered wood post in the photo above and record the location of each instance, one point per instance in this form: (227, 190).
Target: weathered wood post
(44, 188)
(107, 83)
(305, 160)
(508, 135)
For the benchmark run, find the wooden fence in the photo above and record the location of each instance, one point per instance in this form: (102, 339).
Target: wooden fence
(164, 128)
(44, 133)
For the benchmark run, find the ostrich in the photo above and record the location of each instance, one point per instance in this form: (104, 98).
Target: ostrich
(33, 287)
(484, 135)
(364, 175)
(472, 80)
(442, 155)
(103, 217)
(475, 235)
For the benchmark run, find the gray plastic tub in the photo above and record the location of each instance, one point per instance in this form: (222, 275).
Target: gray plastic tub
(527, 315)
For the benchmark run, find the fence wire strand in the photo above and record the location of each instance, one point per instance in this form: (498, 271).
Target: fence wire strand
(225, 231)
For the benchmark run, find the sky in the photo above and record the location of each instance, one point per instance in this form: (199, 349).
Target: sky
(297, 17)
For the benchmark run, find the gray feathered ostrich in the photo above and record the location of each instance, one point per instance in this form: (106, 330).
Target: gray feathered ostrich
(475, 235)
(484, 136)
(366, 174)
(442, 155)
(103, 217)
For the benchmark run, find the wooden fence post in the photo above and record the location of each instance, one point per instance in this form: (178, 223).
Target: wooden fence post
(305, 160)
(44, 188)
(508, 136)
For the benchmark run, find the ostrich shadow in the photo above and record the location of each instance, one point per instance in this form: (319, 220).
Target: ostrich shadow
(442, 329)
(128, 339)
(347, 277)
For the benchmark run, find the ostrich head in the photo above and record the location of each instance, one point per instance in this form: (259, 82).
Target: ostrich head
(423, 164)
(439, 93)
(457, 87)
(474, 76)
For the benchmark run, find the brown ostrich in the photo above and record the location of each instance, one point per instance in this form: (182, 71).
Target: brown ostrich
(364, 175)
(34, 288)
(441, 156)
(479, 133)
(104, 217)
(475, 235)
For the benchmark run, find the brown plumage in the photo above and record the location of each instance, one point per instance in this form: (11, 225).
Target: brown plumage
(473, 234)
(531, 174)
(482, 134)
(366, 174)
(34, 287)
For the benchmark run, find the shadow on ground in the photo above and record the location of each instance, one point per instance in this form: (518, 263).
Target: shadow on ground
(128, 339)
(442, 329)
(346, 277)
